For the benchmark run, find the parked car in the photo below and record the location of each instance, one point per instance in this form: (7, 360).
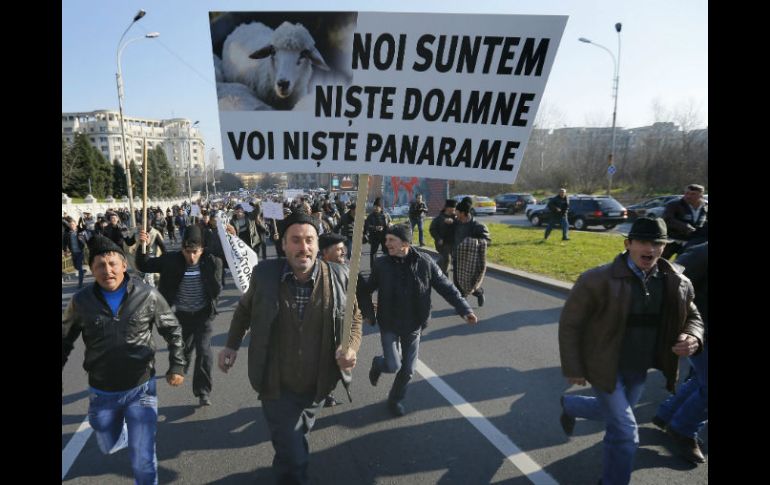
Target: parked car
(481, 204)
(536, 206)
(513, 203)
(587, 210)
(654, 206)
(398, 211)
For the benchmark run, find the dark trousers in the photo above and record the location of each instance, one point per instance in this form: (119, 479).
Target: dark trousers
(376, 243)
(444, 256)
(196, 334)
(290, 419)
(263, 245)
(418, 223)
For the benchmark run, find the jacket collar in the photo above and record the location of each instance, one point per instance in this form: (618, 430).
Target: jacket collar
(620, 267)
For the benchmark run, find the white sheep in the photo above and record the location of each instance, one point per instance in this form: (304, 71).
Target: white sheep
(275, 64)
(238, 97)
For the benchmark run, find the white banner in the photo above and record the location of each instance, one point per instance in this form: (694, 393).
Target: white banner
(448, 96)
(272, 210)
(240, 257)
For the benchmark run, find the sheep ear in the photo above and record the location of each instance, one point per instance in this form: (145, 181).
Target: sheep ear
(318, 60)
(262, 53)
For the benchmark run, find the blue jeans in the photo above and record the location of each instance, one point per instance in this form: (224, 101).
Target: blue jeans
(621, 438)
(77, 261)
(553, 220)
(418, 223)
(687, 411)
(137, 408)
(290, 419)
(401, 363)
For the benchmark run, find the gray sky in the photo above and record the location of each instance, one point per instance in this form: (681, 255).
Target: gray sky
(663, 61)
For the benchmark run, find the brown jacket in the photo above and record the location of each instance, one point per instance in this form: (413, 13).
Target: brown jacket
(593, 322)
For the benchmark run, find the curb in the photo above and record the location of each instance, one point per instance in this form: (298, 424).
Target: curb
(535, 279)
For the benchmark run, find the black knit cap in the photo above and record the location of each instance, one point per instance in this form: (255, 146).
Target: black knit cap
(465, 205)
(401, 231)
(330, 239)
(193, 236)
(298, 217)
(101, 245)
(450, 203)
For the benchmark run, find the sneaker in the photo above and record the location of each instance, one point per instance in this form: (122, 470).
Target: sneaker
(396, 408)
(330, 401)
(686, 448)
(204, 401)
(658, 421)
(567, 422)
(374, 372)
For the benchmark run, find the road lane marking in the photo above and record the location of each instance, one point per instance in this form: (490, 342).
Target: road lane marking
(508, 448)
(75, 445)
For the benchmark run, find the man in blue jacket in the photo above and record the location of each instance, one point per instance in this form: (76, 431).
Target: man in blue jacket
(403, 280)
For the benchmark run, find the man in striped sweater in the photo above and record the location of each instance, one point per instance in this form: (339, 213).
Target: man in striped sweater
(190, 282)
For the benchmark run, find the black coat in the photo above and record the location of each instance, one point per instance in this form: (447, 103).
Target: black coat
(171, 267)
(386, 280)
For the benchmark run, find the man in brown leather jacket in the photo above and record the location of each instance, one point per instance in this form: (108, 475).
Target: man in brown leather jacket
(620, 320)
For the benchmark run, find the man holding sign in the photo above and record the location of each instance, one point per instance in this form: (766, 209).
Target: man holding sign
(294, 308)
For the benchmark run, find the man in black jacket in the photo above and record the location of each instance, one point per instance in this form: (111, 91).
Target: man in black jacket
(190, 281)
(687, 220)
(442, 230)
(374, 227)
(403, 280)
(417, 211)
(558, 208)
(115, 316)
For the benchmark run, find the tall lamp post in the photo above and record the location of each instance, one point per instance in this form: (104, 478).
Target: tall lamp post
(119, 78)
(616, 81)
(189, 159)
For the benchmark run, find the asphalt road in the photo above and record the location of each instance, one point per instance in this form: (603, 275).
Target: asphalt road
(507, 368)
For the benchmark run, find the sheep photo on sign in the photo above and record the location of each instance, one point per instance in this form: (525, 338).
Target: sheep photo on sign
(271, 60)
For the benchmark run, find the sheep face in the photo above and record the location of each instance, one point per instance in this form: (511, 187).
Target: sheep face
(290, 69)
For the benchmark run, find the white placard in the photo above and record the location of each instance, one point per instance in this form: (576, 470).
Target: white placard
(448, 96)
(272, 210)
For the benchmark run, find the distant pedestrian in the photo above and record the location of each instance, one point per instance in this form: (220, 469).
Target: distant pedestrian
(687, 220)
(417, 211)
(558, 208)
(442, 231)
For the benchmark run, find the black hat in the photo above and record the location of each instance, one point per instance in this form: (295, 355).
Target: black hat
(298, 217)
(401, 231)
(450, 203)
(192, 236)
(465, 205)
(330, 239)
(378, 202)
(649, 229)
(317, 207)
(100, 245)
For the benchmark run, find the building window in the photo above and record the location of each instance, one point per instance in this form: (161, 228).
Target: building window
(93, 140)
(68, 130)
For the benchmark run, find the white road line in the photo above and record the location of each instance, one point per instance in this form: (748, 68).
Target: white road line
(76, 443)
(508, 448)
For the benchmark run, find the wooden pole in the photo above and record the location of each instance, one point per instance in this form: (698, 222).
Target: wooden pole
(355, 256)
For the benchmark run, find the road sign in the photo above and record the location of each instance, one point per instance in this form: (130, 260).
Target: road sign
(611, 170)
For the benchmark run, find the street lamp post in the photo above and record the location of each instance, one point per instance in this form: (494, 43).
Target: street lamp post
(616, 81)
(119, 78)
(189, 159)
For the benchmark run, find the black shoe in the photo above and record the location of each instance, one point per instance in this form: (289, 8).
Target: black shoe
(374, 372)
(480, 296)
(330, 401)
(396, 408)
(657, 421)
(567, 422)
(686, 448)
(565, 239)
(204, 401)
